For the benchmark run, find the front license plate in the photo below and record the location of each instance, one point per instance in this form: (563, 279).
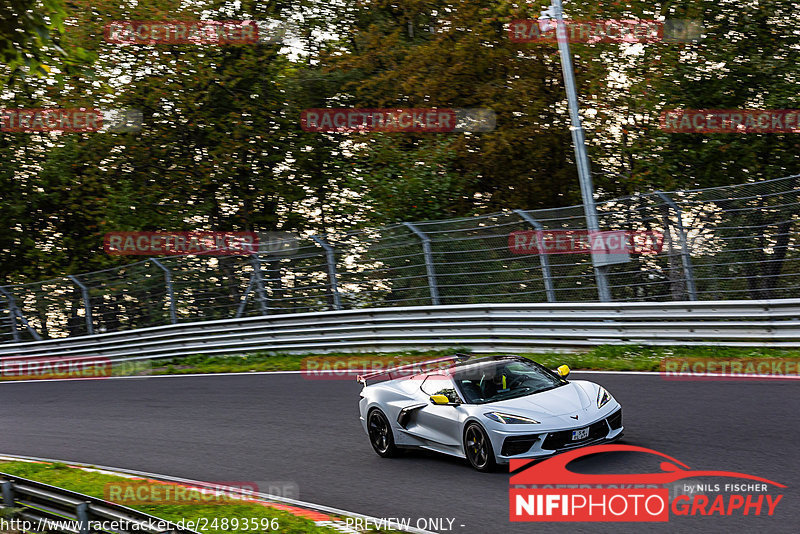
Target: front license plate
(581, 433)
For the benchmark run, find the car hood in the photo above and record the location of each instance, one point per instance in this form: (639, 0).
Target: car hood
(563, 400)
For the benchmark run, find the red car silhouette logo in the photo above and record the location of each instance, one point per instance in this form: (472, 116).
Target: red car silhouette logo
(554, 470)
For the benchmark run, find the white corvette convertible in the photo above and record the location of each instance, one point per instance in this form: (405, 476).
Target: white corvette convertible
(487, 410)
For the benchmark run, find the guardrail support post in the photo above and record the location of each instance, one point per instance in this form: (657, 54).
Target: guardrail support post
(87, 305)
(17, 314)
(7, 487)
(426, 249)
(173, 316)
(82, 513)
(543, 259)
(331, 260)
(686, 258)
(258, 279)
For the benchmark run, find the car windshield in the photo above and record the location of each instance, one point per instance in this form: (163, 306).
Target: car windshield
(503, 379)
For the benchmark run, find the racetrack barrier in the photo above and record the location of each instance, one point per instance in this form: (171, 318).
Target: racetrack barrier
(482, 328)
(37, 504)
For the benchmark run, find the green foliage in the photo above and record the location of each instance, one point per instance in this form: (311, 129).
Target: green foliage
(221, 146)
(93, 484)
(32, 41)
(455, 54)
(747, 58)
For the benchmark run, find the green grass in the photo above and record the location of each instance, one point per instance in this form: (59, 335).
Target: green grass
(272, 361)
(641, 358)
(606, 357)
(92, 484)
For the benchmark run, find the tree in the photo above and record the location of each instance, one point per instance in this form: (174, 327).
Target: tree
(454, 54)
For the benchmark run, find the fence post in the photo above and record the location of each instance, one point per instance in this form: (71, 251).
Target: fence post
(7, 488)
(686, 258)
(258, 279)
(243, 301)
(12, 319)
(426, 250)
(173, 317)
(82, 513)
(331, 260)
(87, 305)
(543, 259)
(16, 313)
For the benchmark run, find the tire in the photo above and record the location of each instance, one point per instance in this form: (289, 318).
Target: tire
(478, 448)
(380, 434)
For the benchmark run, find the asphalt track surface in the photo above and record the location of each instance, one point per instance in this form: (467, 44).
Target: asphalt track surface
(287, 428)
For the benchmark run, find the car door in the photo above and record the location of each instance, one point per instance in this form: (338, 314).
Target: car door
(440, 424)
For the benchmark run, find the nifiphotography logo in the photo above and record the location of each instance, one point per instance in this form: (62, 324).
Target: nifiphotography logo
(548, 491)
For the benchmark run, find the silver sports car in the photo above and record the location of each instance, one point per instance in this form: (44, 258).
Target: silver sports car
(487, 410)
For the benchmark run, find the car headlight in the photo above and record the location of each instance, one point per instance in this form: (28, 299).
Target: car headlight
(603, 397)
(510, 419)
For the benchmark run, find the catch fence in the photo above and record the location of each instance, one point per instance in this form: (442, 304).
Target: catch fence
(723, 243)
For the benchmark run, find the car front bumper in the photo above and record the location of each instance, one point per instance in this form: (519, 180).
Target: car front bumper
(521, 445)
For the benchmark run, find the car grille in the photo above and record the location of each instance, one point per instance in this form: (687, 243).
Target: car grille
(518, 444)
(563, 439)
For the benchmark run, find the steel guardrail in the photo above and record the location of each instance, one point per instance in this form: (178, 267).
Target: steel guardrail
(478, 327)
(68, 511)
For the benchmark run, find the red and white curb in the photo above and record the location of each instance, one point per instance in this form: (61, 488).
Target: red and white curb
(322, 516)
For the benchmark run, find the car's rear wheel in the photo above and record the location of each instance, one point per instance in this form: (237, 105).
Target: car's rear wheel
(380, 434)
(478, 448)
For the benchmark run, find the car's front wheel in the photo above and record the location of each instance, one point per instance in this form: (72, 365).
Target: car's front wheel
(478, 448)
(380, 434)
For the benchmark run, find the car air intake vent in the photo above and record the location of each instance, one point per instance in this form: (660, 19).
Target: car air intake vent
(615, 420)
(518, 444)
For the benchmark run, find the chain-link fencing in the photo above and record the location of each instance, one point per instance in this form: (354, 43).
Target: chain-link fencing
(733, 242)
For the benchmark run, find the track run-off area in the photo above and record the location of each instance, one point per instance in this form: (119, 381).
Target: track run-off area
(283, 427)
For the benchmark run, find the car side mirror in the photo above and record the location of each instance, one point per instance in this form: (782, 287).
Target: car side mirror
(563, 371)
(442, 400)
